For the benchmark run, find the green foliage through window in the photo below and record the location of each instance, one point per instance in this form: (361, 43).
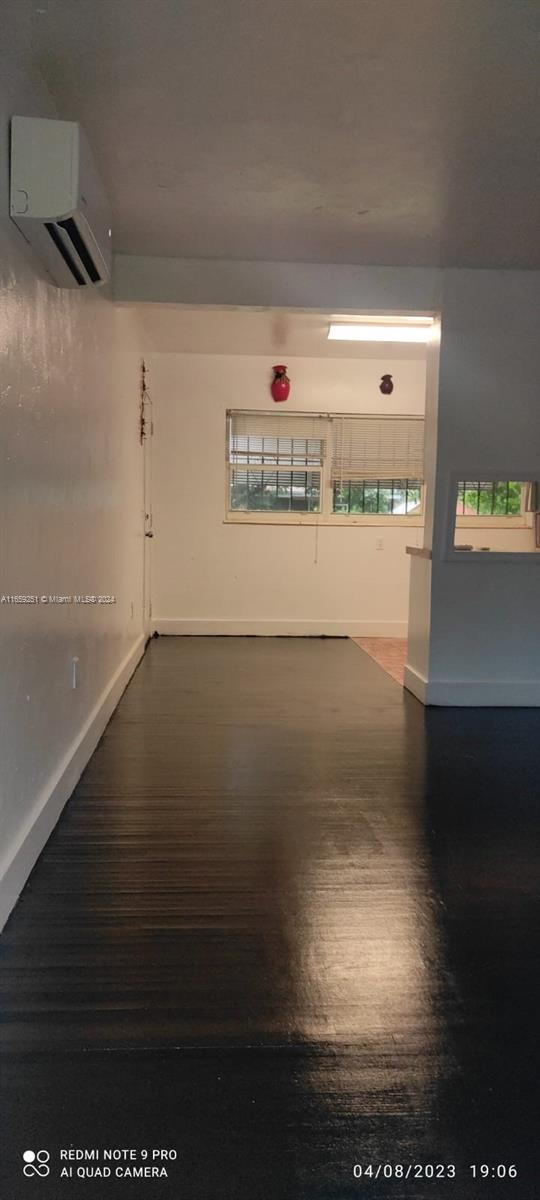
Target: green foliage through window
(275, 491)
(391, 497)
(488, 499)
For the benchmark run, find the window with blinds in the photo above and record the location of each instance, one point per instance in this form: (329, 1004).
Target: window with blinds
(377, 465)
(323, 464)
(275, 462)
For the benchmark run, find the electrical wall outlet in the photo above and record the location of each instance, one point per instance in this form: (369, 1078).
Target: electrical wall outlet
(379, 544)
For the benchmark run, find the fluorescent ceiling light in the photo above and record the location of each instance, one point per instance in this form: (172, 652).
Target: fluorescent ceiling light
(413, 331)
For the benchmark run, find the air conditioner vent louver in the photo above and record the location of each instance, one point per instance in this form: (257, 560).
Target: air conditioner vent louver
(83, 252)
(53, 232)
(58, 202)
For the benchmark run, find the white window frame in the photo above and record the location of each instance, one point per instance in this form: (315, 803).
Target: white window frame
(325, 516)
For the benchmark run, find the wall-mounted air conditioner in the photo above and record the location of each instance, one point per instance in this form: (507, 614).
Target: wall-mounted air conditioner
(58, 202)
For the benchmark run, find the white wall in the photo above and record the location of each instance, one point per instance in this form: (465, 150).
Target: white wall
(481, 631)
(71, 524)
(286, 285)
(215, 577)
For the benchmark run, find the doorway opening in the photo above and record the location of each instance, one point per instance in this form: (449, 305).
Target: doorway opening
(287, 516)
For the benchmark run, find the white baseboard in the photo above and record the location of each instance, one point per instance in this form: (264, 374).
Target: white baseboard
(473, 693)
(415, 683)
(22, 856)
(292, 628)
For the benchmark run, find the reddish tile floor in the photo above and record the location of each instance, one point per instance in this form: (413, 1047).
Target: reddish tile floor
(389, 653)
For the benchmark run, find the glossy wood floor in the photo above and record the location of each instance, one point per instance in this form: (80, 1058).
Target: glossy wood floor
(288, 923)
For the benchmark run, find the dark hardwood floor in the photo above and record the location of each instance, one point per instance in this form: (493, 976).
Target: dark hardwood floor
(288, 923)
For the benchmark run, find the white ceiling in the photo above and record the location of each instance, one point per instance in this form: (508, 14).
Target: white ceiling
(400, 132)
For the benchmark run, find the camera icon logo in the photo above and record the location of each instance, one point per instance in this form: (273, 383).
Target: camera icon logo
(36, 1163)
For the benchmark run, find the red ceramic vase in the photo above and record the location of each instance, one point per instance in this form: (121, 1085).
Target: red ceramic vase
(281, 384)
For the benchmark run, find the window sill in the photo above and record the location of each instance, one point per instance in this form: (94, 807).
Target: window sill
(318, 519)
(464, 523)
(520, 522)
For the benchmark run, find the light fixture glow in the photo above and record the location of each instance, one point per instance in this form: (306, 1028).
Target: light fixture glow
(413, 331)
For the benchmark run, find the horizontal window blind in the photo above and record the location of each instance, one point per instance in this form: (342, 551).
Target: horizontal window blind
(275, 442)
(277, 425)
(377, 448)
(276, 461)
